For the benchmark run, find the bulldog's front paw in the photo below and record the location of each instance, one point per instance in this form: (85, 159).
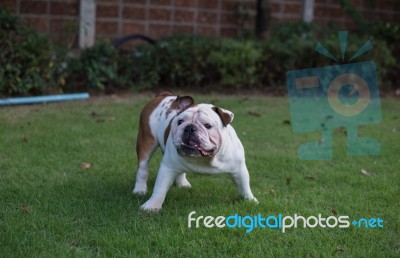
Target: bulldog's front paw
(139, 190)
(151, 206)
(252, 199)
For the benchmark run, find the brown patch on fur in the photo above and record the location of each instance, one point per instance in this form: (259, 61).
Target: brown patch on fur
(163, 94)
(167, 131)
(146, 143)
(180, 104)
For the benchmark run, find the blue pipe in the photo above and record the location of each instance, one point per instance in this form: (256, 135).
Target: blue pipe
(43, 99)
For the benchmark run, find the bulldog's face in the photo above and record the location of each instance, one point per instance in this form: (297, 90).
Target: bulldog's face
(196, 132)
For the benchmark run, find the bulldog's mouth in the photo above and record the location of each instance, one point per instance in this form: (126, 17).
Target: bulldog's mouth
(194, 151)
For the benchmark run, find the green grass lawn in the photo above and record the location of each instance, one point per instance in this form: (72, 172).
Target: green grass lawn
(51, 207)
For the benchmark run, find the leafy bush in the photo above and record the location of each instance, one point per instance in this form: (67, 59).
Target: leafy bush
(200, 62)
(179, 61)
(27, 59)
(102, 67)
(236, 62)
(95, 68)
(30, 64)
(298, 52)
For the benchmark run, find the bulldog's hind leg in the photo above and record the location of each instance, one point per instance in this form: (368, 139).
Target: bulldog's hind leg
(145, 147)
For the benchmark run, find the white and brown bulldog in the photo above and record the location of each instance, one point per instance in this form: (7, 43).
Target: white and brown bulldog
(194, 138)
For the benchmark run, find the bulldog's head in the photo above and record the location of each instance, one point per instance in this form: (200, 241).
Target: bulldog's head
(196, 132)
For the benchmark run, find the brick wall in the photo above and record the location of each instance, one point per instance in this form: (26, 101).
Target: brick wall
(59, 18)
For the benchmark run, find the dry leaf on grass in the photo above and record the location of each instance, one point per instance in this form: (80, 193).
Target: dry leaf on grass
(310, 177)
(85, 165)
(24, 208)
(333, 212)
(252, 113)
(364, 172)
(272, 192)
(339, 249)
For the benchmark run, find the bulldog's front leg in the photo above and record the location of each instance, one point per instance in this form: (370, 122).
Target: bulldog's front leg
(164, 180)
(242, 180)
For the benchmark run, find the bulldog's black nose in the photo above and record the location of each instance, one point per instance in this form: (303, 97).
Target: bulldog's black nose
(190, 128)
(188, 133)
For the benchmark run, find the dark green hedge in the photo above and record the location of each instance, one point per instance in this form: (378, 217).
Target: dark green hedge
(30, 64)
(200, 62)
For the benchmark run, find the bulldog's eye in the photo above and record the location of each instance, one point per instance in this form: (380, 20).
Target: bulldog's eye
(208, 126)
(180, 121)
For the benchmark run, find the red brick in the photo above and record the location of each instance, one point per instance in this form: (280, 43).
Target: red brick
(58, 25)
(319, 11)
(105, 1)
(396, 7)
(373, 14)
(159, 30)
(387, 16)
(229, 32)
(183, 29)
(292, 9)
(60, 8)
(33, 7)
(207, 17)
(38, 23)
(291, 18)
(207, 31)
(276, 17)
(340, 25)
(184, 16)
(134, 13)
(334, 13)
(109, 11)
(320, 21)
(358, 3)
(160, 2)
(228, 18)
(350, 24)
(133, 1)
(160, 14)
(389, 5)
(229, 5)
(106, 27)
(9, 4)
(275, 7)
(334, 2)
(208, 4)
(185, 3)
(131, 28)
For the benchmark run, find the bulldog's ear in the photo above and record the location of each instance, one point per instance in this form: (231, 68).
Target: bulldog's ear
(184, 102)
(225, 115)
